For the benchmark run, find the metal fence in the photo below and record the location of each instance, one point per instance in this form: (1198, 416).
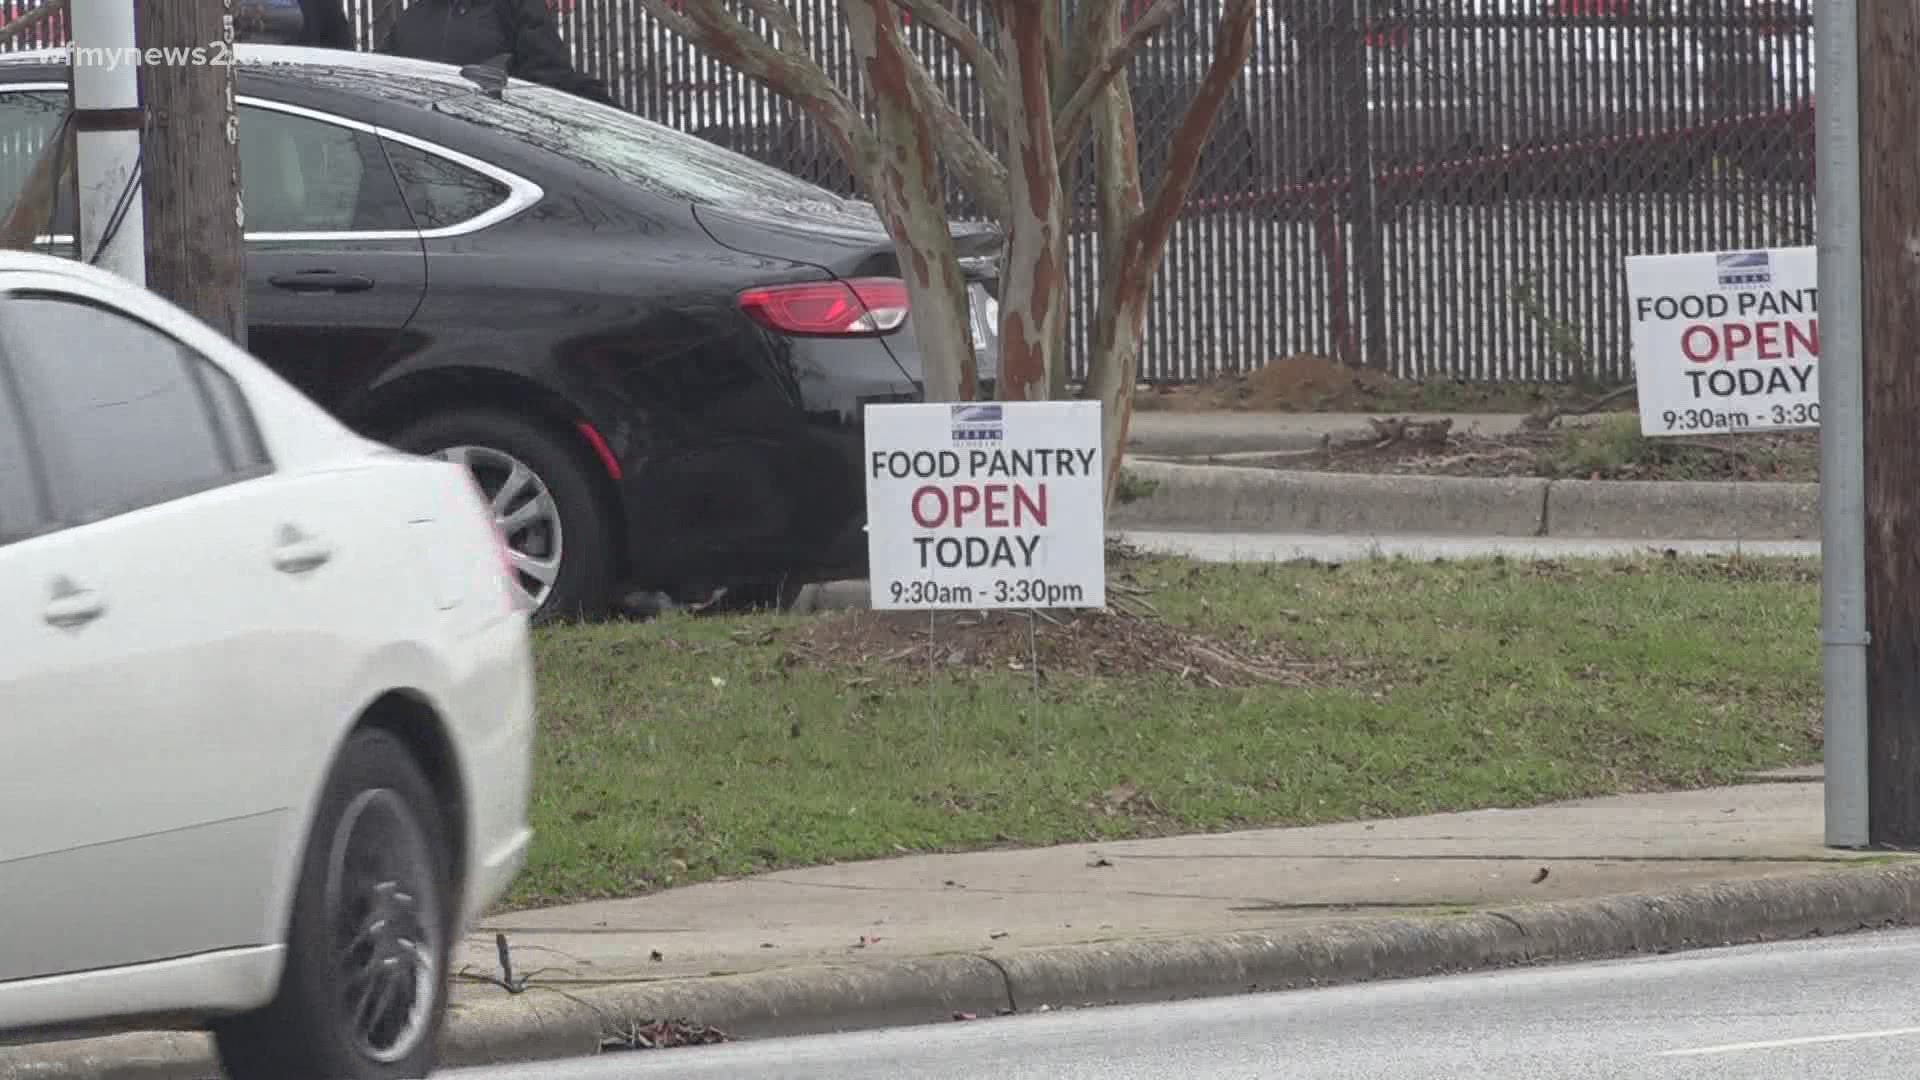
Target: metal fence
(1441, 189)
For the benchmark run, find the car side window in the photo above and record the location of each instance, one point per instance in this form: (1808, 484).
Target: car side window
(301, 175)
(124, 415)
(440, 192)
(20, 513)
(28, 121)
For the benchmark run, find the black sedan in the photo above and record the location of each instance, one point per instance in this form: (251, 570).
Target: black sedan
(652, 352)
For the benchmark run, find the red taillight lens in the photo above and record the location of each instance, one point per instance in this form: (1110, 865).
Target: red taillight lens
(861, 306)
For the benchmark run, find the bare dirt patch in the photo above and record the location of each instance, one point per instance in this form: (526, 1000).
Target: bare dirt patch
(1612, 449)
(1066, 643)
(1309, 383)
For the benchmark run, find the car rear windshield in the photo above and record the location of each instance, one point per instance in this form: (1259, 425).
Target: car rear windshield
(620, 144)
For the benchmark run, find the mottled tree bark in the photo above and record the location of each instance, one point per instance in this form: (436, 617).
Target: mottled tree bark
(908, 191)
(33, 207)
(1890, 216)
(1134, 232)
(1048, 93)
(52, 171)
(1033, 286)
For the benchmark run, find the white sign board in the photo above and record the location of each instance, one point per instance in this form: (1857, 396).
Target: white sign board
(1726, 341)
(986, 505)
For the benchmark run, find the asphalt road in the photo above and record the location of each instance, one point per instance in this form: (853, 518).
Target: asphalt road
(1845, 1007)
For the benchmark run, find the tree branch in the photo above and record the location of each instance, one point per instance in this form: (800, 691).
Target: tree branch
(791, 39)
(976, 166)
(31, 19)
(971, 46)
(1092, 25)
(32, 210)
(1072, 121)
(1149, 234)
(786, 68)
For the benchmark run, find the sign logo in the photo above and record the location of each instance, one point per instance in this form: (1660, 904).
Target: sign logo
(977, 423)
(1744, 269)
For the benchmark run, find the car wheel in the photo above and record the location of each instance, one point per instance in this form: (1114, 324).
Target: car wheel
(364, 991)
(543, 500)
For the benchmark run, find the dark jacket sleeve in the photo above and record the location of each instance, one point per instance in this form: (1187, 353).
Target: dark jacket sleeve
(540, 56)
(326, 24)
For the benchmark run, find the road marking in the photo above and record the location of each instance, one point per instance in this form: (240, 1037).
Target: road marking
(1775, 1044)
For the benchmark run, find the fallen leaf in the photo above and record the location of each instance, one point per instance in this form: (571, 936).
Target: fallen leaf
(1541, 876)
(657, 956)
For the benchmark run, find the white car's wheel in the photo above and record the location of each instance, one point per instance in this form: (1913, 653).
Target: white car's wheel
(364, 992)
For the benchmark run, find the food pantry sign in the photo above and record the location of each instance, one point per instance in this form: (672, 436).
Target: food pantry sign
(1726, 341)
(986, 505)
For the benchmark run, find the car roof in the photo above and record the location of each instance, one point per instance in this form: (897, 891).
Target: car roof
(376, 71)
(13, 260)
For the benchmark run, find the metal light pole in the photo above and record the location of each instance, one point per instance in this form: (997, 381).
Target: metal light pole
(1843, 584)
(107, 125)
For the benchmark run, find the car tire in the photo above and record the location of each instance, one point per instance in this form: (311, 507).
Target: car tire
(399, 898)
(583, 588)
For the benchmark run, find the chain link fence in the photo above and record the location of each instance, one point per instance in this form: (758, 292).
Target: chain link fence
(1434, 189)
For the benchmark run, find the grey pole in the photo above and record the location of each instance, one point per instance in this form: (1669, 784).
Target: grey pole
(1843, 579)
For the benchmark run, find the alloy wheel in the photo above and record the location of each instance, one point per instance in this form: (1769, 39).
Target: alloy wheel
(387, 925)
(525, 512)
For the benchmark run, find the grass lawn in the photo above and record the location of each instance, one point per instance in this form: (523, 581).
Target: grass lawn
(697, 747)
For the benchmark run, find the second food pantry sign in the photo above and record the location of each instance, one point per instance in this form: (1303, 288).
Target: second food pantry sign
(986, 505)
(1726, 341)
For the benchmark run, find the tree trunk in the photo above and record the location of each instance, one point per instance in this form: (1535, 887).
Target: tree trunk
(1074, 57)
(51, 178)
(1131, 252)
(1890, 217)
(191, 166)
(904, 181)
(1033, 282)
(1113, 359)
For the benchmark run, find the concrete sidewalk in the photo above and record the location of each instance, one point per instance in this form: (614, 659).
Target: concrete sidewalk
(926, 939)
(999, 901)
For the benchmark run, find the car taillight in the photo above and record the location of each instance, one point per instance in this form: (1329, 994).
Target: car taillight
(860, 306)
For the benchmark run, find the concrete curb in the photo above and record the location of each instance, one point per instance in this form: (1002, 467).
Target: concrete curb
(545, 1024)
(1278, 500)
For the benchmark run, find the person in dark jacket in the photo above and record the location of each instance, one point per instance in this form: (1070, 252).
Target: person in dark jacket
(474, 31)
(294, 22)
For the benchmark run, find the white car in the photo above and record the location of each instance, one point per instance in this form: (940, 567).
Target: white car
(266, 698)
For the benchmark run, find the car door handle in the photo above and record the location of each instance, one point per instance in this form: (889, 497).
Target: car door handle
(73, 608)
(300, 554)
(321, 281)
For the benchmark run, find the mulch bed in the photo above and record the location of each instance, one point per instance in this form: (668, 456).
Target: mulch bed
(1421, 448)
(1082, 643)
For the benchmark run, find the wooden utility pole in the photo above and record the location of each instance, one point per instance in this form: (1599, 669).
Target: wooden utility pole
(191, 160)
(1890, 355)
